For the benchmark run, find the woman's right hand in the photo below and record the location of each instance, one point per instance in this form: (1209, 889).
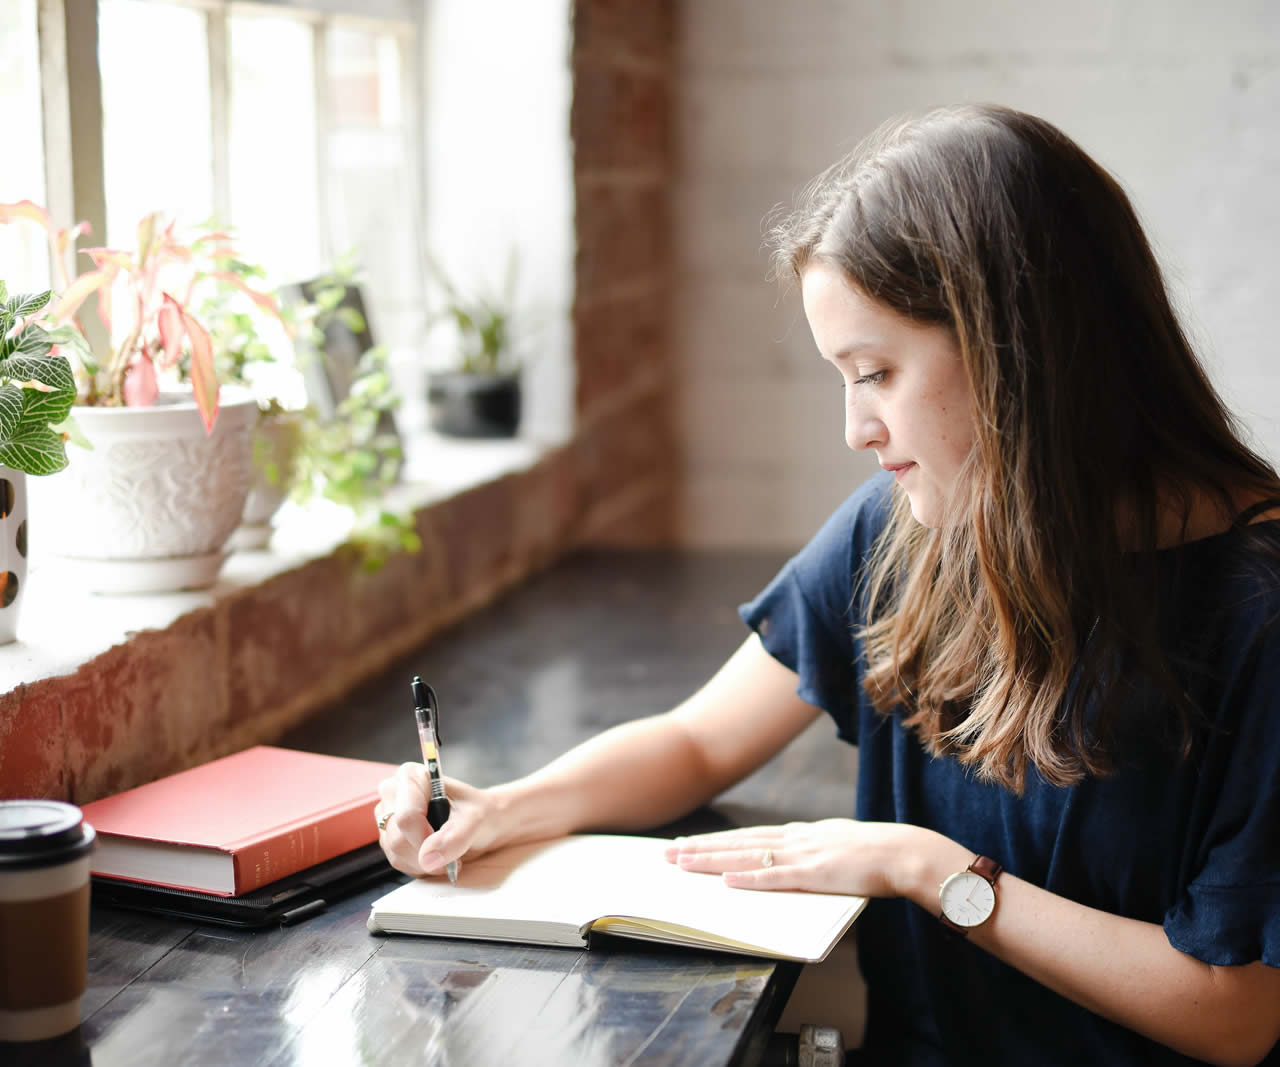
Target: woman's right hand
(408, 840)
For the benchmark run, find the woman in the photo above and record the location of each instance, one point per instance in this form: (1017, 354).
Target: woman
(1050, 627)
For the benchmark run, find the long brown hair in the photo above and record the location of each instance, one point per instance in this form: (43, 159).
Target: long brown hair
(1093, 418)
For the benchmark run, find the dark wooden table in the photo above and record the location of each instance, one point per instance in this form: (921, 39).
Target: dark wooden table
(601, 638)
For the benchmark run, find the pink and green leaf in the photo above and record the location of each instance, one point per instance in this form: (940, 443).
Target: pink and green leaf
(169, 322)
(140, 387)
(29, 210)
(264, 301)
(66, 238)
(146, 236)
(77, 292)
(204, 380)
(109, 257)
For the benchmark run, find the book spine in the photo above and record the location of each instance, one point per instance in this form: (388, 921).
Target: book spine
(264, 860)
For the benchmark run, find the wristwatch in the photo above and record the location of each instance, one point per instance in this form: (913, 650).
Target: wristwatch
(968, 898)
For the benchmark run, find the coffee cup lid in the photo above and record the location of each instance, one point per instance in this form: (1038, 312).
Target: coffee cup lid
(39, 832)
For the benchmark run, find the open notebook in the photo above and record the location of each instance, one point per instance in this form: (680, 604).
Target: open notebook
(558, 892)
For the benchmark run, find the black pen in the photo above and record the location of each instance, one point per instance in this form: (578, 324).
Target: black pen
(426, 713)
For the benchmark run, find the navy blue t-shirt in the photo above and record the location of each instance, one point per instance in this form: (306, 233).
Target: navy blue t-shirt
(1193, 844)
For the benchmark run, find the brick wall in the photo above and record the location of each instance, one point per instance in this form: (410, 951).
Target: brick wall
(262, 658)
(621, 128)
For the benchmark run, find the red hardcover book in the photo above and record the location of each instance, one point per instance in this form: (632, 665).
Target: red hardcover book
(237, 823)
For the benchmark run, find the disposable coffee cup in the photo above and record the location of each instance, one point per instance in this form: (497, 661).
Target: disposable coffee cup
(44, 917)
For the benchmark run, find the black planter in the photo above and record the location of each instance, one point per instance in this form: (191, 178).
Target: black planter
(474, 405)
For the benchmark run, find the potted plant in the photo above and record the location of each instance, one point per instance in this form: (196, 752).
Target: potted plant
(351, 456)
(151, 507)
(346, 456)
(481, 395)
(37, 389)
(249, 338)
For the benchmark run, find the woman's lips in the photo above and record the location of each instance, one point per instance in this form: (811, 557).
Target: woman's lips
(900, 469)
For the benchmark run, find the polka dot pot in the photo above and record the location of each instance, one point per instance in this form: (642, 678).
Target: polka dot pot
(13, 550)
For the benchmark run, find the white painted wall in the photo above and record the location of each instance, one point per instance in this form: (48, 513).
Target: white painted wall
(1178, 98)
(499, 175)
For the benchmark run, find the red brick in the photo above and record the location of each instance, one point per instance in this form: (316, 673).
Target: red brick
(550, 505)
(638, 28)
(476, 528)
(621, 119)
(146, 708)
(407, 590)
(648, 521)
(623, 235)
(32, 756)
(618, 341)
(283, 632)
(633, 446)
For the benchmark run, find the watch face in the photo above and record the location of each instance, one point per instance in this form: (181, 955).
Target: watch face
(967, 899)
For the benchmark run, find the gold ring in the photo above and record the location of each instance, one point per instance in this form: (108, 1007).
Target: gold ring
(767, 859)
(382, 822)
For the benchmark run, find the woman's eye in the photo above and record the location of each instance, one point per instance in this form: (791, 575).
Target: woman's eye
(874, 378)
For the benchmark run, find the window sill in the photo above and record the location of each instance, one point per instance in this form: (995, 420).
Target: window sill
(63, 627)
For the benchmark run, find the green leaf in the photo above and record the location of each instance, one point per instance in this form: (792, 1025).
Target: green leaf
(64, 335)
(37, 450)
(33, 341)
(78, 345)
(351, 319)
(4, 293)
(53, 371)
(11, 404)
(41, 408)
(28, 303)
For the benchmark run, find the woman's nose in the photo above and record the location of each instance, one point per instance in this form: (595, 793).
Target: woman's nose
(863, 430)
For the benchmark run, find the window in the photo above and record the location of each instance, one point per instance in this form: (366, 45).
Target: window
(24, 256)
(300, 123)
(288, 123)
(156, 127)
(274, 133)
(371, 206)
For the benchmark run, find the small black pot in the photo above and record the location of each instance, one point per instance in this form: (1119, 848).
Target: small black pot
(473, 405)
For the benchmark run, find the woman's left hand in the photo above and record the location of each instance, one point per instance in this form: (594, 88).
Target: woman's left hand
(831, 856)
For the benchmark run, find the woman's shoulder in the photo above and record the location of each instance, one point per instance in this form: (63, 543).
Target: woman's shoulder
(1237, 572)
(1221, 607)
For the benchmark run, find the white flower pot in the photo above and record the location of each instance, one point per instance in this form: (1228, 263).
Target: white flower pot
(275, 441)
(13, 550)
(150, 508)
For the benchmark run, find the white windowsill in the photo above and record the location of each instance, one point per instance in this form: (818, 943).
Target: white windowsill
(63, 627)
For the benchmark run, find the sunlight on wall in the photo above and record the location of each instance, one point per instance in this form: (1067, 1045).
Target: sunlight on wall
(499, 175)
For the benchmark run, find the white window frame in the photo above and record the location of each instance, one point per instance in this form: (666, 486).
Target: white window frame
(71, 97)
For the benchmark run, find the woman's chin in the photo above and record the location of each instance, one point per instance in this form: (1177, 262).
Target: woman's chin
(924, 510)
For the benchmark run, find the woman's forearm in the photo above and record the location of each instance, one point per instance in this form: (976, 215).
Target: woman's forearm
(1122, 969)
(650, 771)
(634, 776)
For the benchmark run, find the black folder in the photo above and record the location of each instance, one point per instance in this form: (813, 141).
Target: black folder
(288, 901)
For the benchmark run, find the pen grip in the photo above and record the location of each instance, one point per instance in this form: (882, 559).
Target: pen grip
(438, 812)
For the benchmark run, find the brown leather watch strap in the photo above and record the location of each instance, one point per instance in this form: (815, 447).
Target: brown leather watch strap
(987, 867)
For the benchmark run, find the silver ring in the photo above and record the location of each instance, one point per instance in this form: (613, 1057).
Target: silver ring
(382, 822)
(767, 859)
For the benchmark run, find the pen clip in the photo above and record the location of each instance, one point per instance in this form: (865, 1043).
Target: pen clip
(424, 697)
